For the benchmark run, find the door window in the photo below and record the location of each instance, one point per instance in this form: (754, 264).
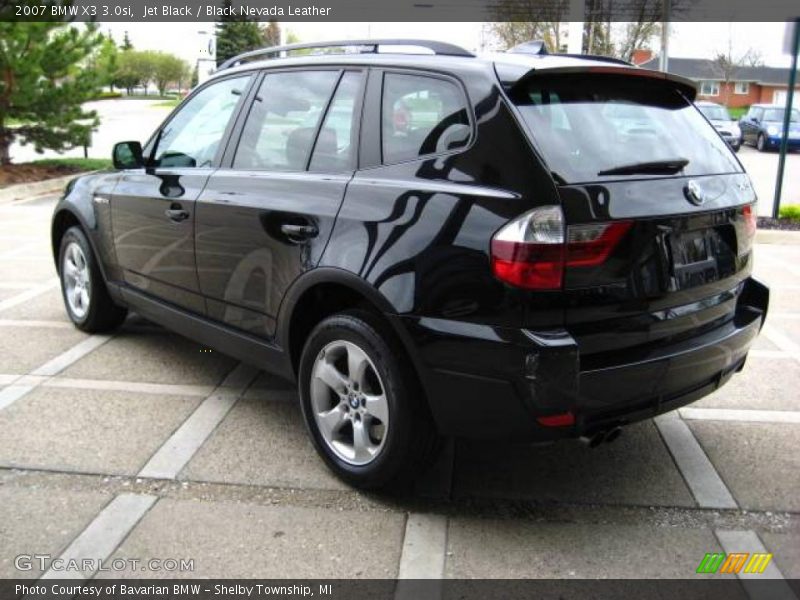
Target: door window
(191, 138)
(422, 115)
(335, 146)
(280, 128)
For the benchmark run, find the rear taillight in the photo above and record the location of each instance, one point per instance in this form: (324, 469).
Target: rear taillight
(528, 252)
(590, 245)
(533, 250)
(750, 220)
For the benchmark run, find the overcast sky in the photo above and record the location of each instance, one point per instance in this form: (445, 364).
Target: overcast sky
(689, 40)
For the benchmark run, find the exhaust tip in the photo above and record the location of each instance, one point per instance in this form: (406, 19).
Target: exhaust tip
(593, 441)
(613, 434)
(607, 436)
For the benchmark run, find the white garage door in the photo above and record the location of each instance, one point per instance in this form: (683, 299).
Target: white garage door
(779, 97)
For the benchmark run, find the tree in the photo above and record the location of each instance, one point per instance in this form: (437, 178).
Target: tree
(44, 80)
(272, 34)
(105, 62)
(726, 65)
(525, 20)
(604, 33)
(167, 69)
(126, 43)
(236, 35)
(132, 70)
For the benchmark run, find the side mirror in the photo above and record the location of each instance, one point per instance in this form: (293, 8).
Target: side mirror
(128, 155)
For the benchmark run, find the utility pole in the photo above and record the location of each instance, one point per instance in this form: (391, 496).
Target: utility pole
(577, 13)
(793, 46)
(663, 59)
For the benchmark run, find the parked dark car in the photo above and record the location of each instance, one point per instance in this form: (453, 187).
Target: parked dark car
(721, 119)
(432, 245)
(762, 127)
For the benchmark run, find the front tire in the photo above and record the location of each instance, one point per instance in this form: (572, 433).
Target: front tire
(362, 403)
(86, 298)
(761, 143)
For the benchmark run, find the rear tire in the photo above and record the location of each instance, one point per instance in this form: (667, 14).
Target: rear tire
(86, 298)
(362, 402)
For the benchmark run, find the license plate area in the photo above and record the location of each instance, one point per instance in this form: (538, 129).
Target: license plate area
(699, 257)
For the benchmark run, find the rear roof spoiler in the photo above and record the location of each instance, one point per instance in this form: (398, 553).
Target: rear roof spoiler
(514, 77)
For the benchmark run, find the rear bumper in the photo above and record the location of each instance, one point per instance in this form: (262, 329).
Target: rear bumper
(485, 382)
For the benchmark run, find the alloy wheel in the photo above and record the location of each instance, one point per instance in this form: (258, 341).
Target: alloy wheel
(76, 280)
(348, 400)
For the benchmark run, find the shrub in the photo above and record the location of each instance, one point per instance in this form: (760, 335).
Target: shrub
(790, 212)
(108, 95)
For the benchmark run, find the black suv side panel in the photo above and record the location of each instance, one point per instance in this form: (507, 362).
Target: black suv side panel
(419, 231)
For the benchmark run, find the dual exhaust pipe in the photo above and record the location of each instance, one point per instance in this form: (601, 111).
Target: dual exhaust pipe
(606, 435)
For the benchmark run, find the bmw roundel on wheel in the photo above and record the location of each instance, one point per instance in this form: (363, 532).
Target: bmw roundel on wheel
(517, 246)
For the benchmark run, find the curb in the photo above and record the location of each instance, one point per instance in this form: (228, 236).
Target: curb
(23, 191)
(777, 236)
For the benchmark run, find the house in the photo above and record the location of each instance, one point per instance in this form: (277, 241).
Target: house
(747, 85)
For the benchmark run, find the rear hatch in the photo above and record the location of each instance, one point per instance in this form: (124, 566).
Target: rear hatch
(658, 212)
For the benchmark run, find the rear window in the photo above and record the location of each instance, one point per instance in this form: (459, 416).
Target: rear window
(714, 113)
(588, 124)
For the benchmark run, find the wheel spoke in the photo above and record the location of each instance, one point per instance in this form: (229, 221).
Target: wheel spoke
(378, 407)
(84, 298)
(70, 268)
(357, 364)
(76, 297)
(330, 422)
(331, 377)
(363, 447)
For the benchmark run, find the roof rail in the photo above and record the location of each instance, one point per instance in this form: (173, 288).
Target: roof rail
(539, 48)
(367, 46)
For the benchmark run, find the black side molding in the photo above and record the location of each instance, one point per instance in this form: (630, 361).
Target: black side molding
(253, 351)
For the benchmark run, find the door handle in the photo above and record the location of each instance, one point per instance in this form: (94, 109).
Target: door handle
(176, 214)
(298, 233)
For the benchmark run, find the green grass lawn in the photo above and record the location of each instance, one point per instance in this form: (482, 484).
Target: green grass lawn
(737, 113)
(84, 164)
(171, 103)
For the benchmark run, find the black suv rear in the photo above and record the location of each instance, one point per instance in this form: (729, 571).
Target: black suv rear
(517, 246)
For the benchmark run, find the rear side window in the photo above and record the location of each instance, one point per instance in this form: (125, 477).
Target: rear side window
(587, 124)
(421, 115)
(279, 132)
(334, 149)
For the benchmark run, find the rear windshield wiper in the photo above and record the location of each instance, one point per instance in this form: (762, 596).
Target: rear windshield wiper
(654, 167)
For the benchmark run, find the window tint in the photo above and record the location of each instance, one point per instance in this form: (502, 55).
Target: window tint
(421, 115)
(335, 146)
(281, 125)
(191, 138)
(588, 124)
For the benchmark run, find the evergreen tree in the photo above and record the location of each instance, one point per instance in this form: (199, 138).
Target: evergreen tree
(236, 35)
(44, 80)
(126, 43)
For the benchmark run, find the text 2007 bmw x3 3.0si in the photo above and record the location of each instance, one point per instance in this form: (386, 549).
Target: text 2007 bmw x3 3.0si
(519, 246)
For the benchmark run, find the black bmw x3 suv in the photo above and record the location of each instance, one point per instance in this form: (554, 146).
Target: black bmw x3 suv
(518, 246)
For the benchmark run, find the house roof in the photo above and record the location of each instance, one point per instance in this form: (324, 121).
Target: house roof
(701, 68)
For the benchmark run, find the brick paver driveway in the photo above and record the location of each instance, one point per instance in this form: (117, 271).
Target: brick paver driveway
(181, 453)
